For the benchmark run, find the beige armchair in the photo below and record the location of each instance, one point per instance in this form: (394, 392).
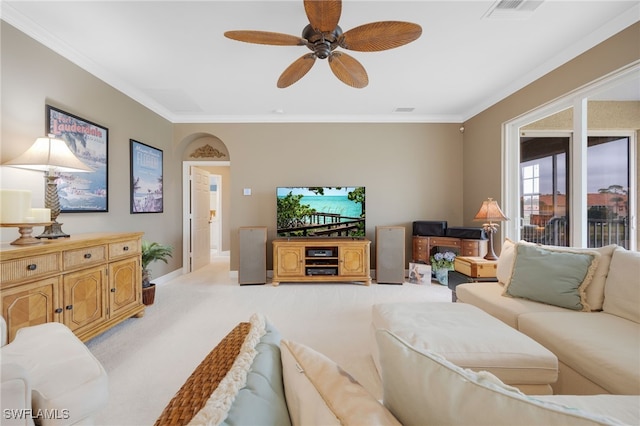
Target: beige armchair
(49, 377)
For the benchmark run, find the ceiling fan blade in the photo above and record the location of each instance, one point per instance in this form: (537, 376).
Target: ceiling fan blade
(323, 14)
(348, 70)
(296, 70)
(265, 37)
(378, 36)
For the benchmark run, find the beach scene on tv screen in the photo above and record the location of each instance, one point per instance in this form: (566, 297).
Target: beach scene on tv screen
(321, 211)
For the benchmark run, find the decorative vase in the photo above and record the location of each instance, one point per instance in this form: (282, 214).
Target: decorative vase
(149, 294)
(442, 275)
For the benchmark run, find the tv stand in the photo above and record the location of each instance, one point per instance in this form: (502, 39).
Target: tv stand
(321, 260)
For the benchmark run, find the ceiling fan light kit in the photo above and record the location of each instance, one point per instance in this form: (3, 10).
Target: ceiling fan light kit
(323, 35)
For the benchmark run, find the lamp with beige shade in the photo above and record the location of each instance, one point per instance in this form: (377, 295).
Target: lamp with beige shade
(489, 213)
(52, 156)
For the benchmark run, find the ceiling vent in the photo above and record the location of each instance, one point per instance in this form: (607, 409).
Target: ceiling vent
(404, 109)
(512, 9)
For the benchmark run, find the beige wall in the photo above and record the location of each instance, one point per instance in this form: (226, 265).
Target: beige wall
(33, 76)
(483, 133)
(410, 171)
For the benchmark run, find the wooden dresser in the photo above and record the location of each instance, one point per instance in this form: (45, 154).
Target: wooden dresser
(423, 246)
(89, 282)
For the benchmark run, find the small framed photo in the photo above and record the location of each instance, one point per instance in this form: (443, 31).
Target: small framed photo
(82, 192)
(146, 178)
(419, 273)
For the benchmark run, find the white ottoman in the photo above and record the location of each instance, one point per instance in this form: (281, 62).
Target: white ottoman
(69, 385)
(470, 338)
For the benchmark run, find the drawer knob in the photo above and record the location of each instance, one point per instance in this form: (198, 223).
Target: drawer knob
(125, 248)
(32, 267)
(58, 310)
(113, 290)
(87, 255)
(68, 307)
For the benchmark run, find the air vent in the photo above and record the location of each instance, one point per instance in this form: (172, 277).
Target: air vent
(512, 9)
(404, 109)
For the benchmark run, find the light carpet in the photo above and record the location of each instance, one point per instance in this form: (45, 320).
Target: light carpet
(149, 358)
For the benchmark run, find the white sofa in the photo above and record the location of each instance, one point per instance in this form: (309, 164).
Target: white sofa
(592, 326)
(49, 377)
(253, 377)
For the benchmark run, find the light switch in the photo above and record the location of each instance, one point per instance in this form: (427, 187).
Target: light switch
(246, 191)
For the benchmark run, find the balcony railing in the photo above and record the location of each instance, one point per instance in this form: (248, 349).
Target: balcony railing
(601, 232)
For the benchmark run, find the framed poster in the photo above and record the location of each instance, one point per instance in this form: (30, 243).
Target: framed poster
(146, 178)
(82, 192)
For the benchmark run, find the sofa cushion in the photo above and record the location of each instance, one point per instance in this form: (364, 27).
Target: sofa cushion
(595, 290)
(471, 338)
(64, 375)
(422, 388)
(504, 265)
(602, 347)
(489, 298)
(319, 392)
(262, 398)
(622, 290)
(555, 277)
(238, 382)
(625, 408)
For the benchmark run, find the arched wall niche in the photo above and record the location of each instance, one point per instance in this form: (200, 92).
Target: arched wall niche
(204, 147)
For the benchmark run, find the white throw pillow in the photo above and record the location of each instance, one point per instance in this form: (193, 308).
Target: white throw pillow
(319, 392)
(504, 267)
(622, 289)
(422, 388)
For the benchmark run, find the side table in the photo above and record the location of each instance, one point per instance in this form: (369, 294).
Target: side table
(456, 278)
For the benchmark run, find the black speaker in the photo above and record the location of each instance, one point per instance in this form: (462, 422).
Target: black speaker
(390, 244)
(427, 228)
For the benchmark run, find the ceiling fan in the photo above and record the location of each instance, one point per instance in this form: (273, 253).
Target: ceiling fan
(323, 35)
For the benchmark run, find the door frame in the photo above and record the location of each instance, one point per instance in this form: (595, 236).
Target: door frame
(186, 207)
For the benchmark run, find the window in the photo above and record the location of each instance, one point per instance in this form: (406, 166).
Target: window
(544, 172)
(543, 189)
(608, 190)
(577, 188)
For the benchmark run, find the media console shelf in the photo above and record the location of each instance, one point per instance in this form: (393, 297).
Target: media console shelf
(321, 260)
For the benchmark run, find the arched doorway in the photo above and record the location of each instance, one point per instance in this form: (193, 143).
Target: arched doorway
(204, 207)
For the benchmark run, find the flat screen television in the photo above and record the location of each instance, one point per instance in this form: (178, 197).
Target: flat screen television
(321, 211)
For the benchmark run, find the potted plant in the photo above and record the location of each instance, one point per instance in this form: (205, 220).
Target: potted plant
(441, 264)
(152, 252)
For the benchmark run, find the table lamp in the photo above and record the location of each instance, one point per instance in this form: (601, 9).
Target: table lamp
(488, 213)
(52, 156)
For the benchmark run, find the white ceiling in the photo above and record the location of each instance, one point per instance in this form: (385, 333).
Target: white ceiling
(172, 57)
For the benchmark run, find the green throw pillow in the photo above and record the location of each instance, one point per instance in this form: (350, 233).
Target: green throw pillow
(555, 277)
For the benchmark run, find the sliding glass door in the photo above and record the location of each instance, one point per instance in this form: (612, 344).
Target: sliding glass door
(544, 189)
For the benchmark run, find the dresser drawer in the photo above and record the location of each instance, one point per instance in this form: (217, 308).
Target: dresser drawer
(445, 242)
(124, 248)
(26, 268)
(85, 256)
(470, 248)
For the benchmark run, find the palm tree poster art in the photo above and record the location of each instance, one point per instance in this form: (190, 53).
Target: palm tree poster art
(81, 191)
(146, 178)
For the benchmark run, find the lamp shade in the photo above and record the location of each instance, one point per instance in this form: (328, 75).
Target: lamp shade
(49, 154)
(490, 211)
